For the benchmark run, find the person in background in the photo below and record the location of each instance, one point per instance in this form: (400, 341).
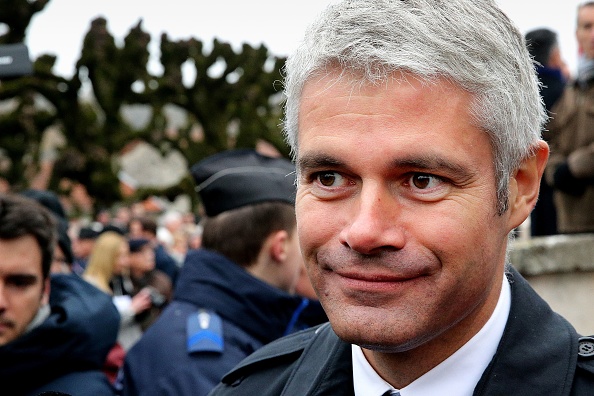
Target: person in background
(144, 227)
(109, 270)
(570, 170)
(103, 217)
(63, 258)
(172, 234)
(552, 74)
(415, 127)
(82, 245)
(234, 294)
(55, 330)
(145, 276)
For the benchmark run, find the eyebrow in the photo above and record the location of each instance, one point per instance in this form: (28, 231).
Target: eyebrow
(314, 160)
(28, 279)
(433, 163)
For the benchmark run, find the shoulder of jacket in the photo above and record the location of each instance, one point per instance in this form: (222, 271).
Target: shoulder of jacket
(283, 350)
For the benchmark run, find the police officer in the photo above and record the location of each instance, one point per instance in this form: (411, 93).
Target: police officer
(236, 293)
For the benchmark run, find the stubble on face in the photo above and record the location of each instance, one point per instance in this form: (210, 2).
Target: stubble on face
(22, 286)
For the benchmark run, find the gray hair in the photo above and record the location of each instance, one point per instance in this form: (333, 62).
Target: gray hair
(469, 42)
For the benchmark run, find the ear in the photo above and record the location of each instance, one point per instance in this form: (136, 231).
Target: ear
(278, 242)
(46, 291)
(524, 185)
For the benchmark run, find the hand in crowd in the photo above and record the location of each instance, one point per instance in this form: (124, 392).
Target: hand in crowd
(141, 301)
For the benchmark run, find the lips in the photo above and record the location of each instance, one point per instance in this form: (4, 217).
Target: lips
(6, 325)
(378, 277)
(388, 266)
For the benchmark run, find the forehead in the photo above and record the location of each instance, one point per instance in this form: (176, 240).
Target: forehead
(348, 87)
(585, 15)
(402, 100)
(399, 120)
(20, 255)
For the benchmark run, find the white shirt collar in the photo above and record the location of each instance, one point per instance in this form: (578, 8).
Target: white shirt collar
(457, 375)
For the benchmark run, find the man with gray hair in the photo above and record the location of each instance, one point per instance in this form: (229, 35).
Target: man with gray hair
(415, 127)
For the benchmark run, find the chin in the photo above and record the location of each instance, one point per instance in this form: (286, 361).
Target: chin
(375, 329)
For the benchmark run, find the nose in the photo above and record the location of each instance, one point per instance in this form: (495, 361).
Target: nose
(374, 225)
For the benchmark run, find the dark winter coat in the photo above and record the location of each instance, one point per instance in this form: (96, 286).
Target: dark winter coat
(537, 355)
(543, 218)
(67, 351)
(169, 359)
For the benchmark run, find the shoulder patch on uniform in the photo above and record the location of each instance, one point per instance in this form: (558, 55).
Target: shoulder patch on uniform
(204, 331)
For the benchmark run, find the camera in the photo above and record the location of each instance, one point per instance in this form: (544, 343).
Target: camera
(157, 299)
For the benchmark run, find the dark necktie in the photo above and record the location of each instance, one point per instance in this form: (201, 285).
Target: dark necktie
(391, 393)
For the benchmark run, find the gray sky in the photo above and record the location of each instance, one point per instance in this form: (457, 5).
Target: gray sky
(279, 24)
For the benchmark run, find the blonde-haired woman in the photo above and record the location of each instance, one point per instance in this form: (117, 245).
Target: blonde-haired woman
(110, 258)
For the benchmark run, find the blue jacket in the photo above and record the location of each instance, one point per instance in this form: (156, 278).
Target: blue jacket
(164, 262)
(176, 357)
(67, 351)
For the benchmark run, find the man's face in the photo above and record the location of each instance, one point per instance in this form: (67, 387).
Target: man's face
(585, 30)
(396, 212)
(82, 248)
(143, 261)
(22, 288)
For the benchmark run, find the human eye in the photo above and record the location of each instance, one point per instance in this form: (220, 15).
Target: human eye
(327, 184)
(426, 185)
(329, 179)
(424, 181)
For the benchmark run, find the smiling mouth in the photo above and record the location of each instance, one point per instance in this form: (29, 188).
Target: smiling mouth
(377, 283)
(4, 324)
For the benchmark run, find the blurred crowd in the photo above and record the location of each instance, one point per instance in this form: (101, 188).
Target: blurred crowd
(174, 293)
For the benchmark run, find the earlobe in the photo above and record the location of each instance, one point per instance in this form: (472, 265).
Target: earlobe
(525, 184)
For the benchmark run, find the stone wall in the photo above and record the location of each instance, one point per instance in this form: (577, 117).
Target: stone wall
(561, 269)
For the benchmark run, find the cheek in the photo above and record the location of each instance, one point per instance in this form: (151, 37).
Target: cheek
(315, 227)
(26, 305)
(470, 245)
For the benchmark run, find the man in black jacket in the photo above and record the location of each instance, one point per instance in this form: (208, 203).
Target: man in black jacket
(416, 130)
(55, 331)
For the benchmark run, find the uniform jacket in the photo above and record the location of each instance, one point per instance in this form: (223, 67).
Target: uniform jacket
(67, 351)
(537, 355)
(252, 312)
(570, 169)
